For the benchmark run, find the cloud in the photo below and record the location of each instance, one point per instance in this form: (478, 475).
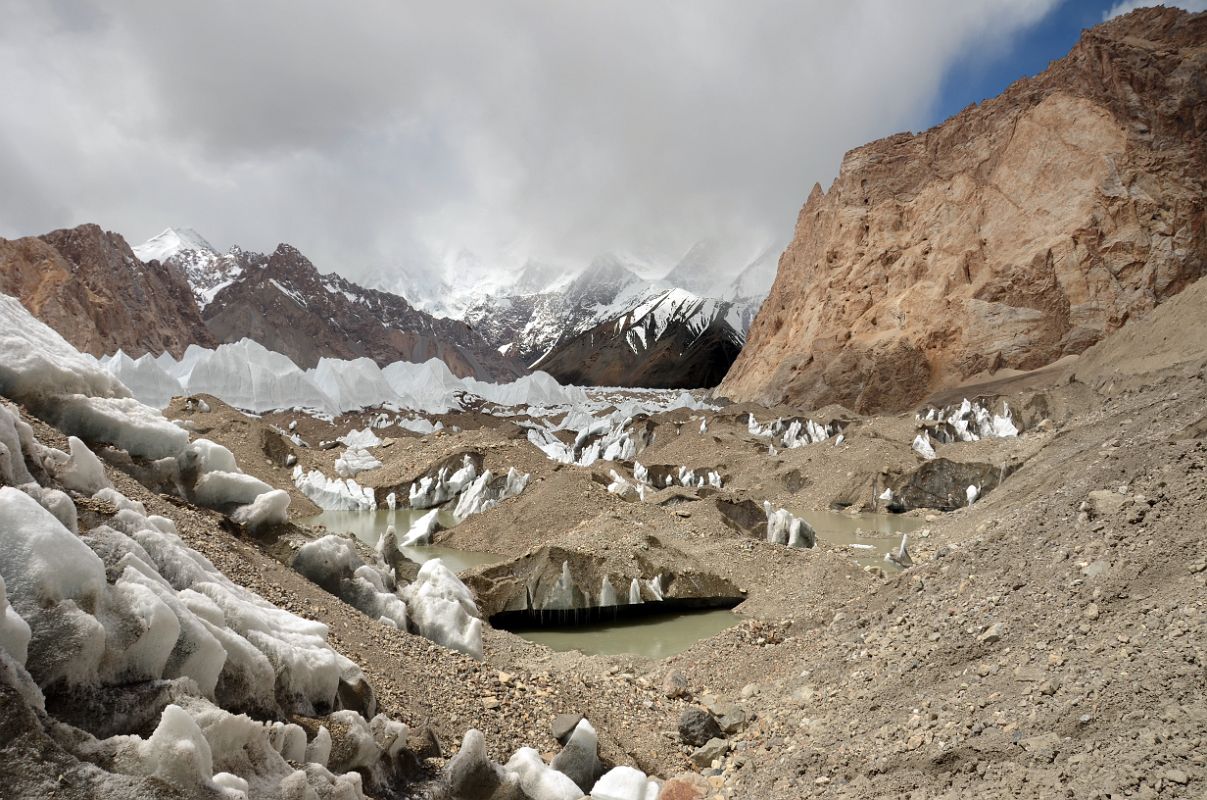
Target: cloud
(1128, 6)
(379, 133)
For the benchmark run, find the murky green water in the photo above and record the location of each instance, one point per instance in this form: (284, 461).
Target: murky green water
(368, 526)
(868, 537)
(655, 636)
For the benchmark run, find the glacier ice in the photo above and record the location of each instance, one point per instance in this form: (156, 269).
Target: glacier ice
(123, 422)
(354, 461)
(37, 363)
(422, 529)
(539, 780)
(220, 489)
(147, 381)
(923, 447)
(443, 610)
(352, 385)
(969, 422)
(14, 631)
(485, 492)
(430, 491)
(625, 783)
(268, 508)
(80, 472)
(333, 494)
(784, 528)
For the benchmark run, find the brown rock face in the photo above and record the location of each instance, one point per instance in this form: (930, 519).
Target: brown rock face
(87, 284)
(287, 306)
(1017, 232)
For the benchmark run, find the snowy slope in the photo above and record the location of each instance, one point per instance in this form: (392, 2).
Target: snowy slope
(171, 242)
(206, 270)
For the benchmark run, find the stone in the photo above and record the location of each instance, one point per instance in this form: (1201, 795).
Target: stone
(749, 691)
(686, 786)
(992, 634)
(1091, 612)
(697, 726)
(730, 716)
(1177, 776)
(1042, 746)
(674, 684)
(710, 751)
(563, 725)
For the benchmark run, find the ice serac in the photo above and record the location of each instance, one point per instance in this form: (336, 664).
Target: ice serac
(286, 305)
(1019, 231)
(88, 285)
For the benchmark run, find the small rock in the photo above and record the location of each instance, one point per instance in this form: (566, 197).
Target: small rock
(563, 725)
(992, 634)
(1177, 776)
(674, 684)
(709, 752)
(749, 691)
(697, 726)
(687, 786)
(1091, 611)
(730, 716)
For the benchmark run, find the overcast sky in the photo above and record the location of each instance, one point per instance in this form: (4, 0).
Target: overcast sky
(377, 133)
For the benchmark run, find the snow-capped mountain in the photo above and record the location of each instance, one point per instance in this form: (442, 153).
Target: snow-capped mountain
(206, 270)
(527, 325)
(504, 318)
(282, 301)
(667, 339)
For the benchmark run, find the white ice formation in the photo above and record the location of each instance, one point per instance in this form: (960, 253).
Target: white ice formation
(784, 528)
(923, 447)
(969, 422)
(252, 378)
(443, 610)
(434, 490)
(793, 433)
(128, 602)
(333, 494)
(485, 492)
(470, 773)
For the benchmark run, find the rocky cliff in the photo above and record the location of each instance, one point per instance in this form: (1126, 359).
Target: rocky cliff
(1019, 231)
(87, 284)
(286, 305)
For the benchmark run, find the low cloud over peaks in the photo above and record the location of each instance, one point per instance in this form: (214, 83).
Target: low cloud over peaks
(386, 133)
